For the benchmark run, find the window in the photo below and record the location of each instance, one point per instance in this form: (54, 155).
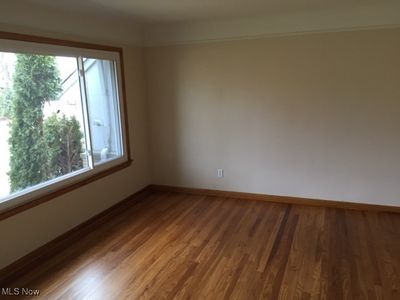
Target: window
(61, 116)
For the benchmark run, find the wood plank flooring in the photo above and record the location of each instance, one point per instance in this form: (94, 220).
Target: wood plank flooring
(171, 245)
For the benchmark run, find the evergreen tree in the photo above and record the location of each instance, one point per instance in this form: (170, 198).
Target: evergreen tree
(36, 80)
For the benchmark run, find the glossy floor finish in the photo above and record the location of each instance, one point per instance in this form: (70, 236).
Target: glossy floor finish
(171, 245)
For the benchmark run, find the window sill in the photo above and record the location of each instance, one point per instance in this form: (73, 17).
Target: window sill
(13, 210)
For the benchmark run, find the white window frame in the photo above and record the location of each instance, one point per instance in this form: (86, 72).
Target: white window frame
(67, 182)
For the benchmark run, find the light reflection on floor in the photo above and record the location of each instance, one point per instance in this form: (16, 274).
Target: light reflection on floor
(90, 284)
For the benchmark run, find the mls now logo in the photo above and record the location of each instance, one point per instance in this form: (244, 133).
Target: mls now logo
(19, 292)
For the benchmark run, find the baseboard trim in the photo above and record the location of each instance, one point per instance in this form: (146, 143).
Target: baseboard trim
(16, 269)
(278, 199)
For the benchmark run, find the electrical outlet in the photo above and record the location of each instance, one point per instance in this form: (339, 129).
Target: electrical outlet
(220, 173)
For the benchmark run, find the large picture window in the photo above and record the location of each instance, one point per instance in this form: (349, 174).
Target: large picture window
(61, 117)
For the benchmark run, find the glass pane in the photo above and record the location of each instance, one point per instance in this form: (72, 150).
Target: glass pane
(41, 120)
(103, 109)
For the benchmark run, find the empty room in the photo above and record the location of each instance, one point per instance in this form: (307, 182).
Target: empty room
(211, 149)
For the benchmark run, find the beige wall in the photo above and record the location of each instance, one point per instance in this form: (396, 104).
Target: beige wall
(312, 115)
(27, 231)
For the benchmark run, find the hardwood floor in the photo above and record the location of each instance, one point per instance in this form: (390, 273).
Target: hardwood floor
(171, 245)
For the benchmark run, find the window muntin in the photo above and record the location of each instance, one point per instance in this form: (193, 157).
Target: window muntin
(91, 93)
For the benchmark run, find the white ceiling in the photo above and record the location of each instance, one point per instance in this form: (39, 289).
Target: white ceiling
(155, 11)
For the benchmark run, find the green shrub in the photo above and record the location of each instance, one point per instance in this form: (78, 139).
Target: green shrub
(63, 144)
